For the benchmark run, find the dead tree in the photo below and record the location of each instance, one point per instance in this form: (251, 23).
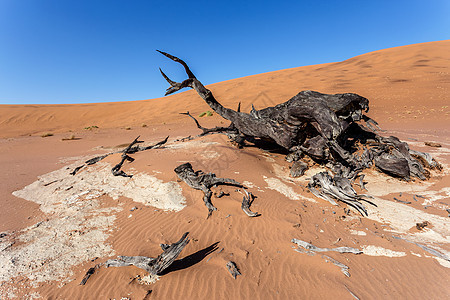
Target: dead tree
(154, 266)
(327, 128)
(201, 181)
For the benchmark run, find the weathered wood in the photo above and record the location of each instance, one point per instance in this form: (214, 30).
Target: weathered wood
(338, 188)
(392, 165)
(310, 247)
(351, 293)
(401, 201)
(426, 159)
(75, 171)
(206, 131)
(153, 266)
(221, 194)
(95, 159)
(298, 168)
(89, 272)
(130, 149)
(116, 170)
(433, 144)
(422, 225)
(232, 268)
(201, 181)
(428, 249)
(246, 202)
(344, 268)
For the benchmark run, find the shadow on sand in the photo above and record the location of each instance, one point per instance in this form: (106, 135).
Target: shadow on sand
(191, 260)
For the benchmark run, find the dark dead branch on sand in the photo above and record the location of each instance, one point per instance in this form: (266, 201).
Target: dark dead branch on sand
(203, 181)
(153, 266)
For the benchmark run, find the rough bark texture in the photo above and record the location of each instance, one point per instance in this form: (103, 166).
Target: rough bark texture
(153, 266)
(246, 202)
(339, 188)
(201, 181)
(232, 268)
(327, 128)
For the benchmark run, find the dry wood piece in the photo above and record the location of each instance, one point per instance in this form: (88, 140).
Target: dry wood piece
(311, 248)
(154, 266)
(344, 268)
(351, 293)
(221, 194)
(401, 201)
(206, 131)
(201, 181)
(433, 144)
(428, 249)
(246, 202)
(422, 225)
(89, 272)
(232, 268)
(392, 165)
(327, 128)
(95, 159)
(75, 171)
(298, 168)
(362, 184)
(116, 170)
(337, 188)
(426, 159)
(128, 150)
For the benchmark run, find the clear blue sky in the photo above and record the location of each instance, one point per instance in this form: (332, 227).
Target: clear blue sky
(75, 51)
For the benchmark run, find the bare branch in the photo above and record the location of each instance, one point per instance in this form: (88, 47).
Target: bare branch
(153, 266)
(176, 59)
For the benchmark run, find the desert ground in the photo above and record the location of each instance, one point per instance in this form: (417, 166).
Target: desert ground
(55, 226)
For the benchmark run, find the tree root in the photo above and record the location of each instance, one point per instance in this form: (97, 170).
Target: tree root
(339, 188)
(246, 202)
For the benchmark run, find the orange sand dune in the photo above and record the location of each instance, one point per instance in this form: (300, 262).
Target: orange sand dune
(55, 226)
(405, 85)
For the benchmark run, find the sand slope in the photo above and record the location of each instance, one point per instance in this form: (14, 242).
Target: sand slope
(407, 84)
(56, 226)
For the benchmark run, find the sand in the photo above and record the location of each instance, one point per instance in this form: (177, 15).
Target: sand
(56, 226)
